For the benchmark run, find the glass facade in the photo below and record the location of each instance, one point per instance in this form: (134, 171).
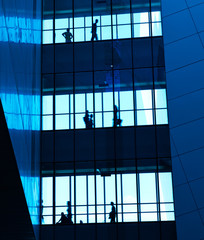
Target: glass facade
(104, 113)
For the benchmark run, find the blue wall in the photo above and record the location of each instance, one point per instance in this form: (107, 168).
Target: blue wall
(183, 30)
(20, 39)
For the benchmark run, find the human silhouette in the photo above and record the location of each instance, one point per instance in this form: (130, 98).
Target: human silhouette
(116, 121)
(94, 31)
(69, 214)
(63, 220)
(88, 119)
(67, 35)
(112, 213)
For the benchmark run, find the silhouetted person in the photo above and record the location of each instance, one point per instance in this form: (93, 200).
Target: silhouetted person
(69, 214)
(112, 213)
(81, 222)
(94, 31)
(63, 220)
(88, 119)
(116, 121)
(67, 35)
(41, 209)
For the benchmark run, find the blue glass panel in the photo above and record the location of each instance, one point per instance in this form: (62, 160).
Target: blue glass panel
(79, 103)
(156, 29)
(79, 35)
(144, 117)
(78, 22)
(88, 34)
(62, 192)
(89, 99)
(126, 100)
(98, 101)
(165, 187)
(106, 20)
(47, 105)
(108, 101)
(141, 30)
(144, 99)
(79, 121)
(108, 119)
(47, 122)
(61, 23)
(156, 16)
(160, 98)
(98, 120)
(124, 31)
(106, 33)
(142, 17)
(123, 18)
(81, 190)
(47, 37)
(147, 188)
(61, 104)
(129, 190)
(47, 191)
(61, 122)
(48, 24)
(127, 118)
(161, 116)
(110, 189)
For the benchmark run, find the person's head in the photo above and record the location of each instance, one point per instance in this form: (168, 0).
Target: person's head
(68, 203)
(87, 111)
(62, 214)
(96, 21)
(67, 29)
(112, 203)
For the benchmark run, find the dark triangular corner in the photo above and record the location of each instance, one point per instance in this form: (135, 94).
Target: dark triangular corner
(15, 220)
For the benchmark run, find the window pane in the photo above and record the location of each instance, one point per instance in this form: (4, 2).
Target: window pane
(98, 120)
(124, 31)
(166, 207)
(126, 100)
(62, 191)
(147, 187)
(161, 116)
(79, 121)
(79, 103)
(61, 23)
(167, 216)
(165, 187)
(48, 24)
(108, 119)
(156, 16)
(79, 35)
(148, 217)
(91, 190)
(127, 118)
(47, 107)
(129, 190)
(62, 104)
(156, 29)
(148, 207)
(144, 117)
(160, 98)
(110, 189)
(98, 102)
(62, 122)
(47, 122)
(47, 220)
(47, 191)
(88, 34)
(106, 20)
(106, 33)
(107, 101)
(129, 217)
(88, 21)
(81, 196)
(123, 18)
(141, 30)
(119, 189)
(89, 98)
(78, 22)
(47, 37)
(144, 99)
(141, 17)
(100, 191)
